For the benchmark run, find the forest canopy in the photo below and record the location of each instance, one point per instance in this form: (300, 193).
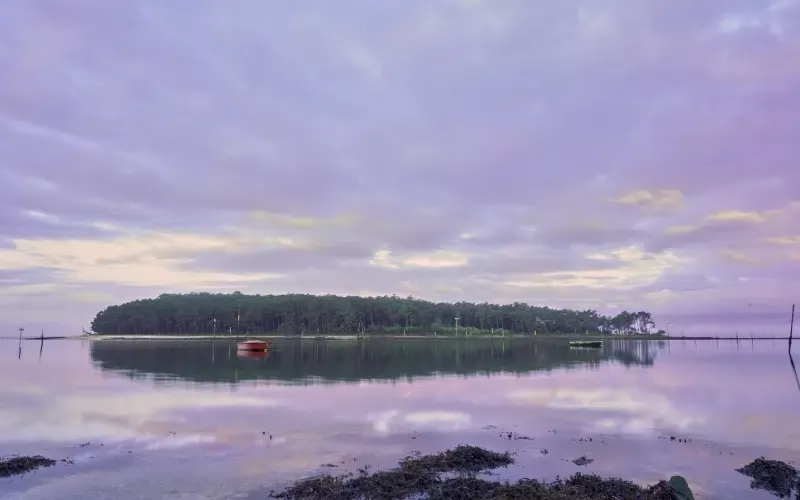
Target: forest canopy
(298, 314)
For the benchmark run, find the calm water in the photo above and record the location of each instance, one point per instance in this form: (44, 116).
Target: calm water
(191, 420)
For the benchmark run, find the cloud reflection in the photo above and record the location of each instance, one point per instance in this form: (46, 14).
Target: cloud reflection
(392, 421)
(74, 416)
(632, 411)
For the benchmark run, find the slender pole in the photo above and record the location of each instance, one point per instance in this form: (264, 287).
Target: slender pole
(791, 329)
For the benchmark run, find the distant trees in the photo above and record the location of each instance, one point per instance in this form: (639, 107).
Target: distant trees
(295, 314)
(632, 323)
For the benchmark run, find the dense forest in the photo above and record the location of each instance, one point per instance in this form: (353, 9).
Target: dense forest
(199, 313)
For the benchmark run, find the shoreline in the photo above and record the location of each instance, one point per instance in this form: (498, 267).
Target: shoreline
(455, 473)
(465, 471)
(365, 337)
(351, 337)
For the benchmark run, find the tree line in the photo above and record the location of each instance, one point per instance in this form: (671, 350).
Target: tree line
(301, 314)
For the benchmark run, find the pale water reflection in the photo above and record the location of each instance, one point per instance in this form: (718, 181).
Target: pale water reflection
(195, 420)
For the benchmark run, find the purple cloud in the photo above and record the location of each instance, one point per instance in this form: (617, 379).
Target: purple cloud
(566, 154)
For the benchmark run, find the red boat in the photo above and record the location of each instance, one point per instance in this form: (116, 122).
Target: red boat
(253, 354)
(253, 345)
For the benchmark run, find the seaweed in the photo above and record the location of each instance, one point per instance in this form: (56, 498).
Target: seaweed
(421, 476)
(416, 474)
(779, 478)
(21, 465)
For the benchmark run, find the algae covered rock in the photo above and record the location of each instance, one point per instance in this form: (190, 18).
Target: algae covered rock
(21, 465)
(681, 487)
(779, 478)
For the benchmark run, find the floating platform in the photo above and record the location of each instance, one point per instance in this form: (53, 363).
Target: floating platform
(596, 344)
(253, 345)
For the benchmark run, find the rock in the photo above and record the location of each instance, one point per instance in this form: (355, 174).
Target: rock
(21, 465)
(779, 478)
(582, 461)
(681, 487)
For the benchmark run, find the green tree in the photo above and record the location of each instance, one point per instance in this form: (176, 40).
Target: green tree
(297, 314)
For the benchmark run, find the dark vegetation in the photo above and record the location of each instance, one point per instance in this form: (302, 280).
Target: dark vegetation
(779, 478)
(298, 360)
(422, 475)
(21, 465)
(195, 313)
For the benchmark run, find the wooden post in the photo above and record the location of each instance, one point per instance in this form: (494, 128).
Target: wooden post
(791, 329)
(794, 369)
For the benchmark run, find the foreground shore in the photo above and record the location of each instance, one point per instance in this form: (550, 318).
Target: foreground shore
(453, 474)
(456, 474)
(422, 475)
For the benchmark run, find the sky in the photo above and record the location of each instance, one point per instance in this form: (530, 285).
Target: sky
(582, 153)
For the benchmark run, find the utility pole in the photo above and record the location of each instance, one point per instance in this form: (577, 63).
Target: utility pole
(457, 318)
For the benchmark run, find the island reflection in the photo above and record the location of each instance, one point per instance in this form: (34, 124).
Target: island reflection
(321, 361)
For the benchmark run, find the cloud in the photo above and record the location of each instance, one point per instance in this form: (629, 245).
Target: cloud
(783, 240)
(471, 150)
(729, 228)
(737, 256)
(664, 198)
(634, 269)
(134, 259)
(725, 219)
(433, 260)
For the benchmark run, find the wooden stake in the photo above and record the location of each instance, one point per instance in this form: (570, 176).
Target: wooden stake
(791, 329)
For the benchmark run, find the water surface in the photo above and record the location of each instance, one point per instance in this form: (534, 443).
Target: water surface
(178, 420)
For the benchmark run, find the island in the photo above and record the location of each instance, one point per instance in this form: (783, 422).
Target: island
(305, 314)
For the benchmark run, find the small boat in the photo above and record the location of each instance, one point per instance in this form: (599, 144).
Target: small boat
(252, 354)
(587, 343)
(253, 345)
